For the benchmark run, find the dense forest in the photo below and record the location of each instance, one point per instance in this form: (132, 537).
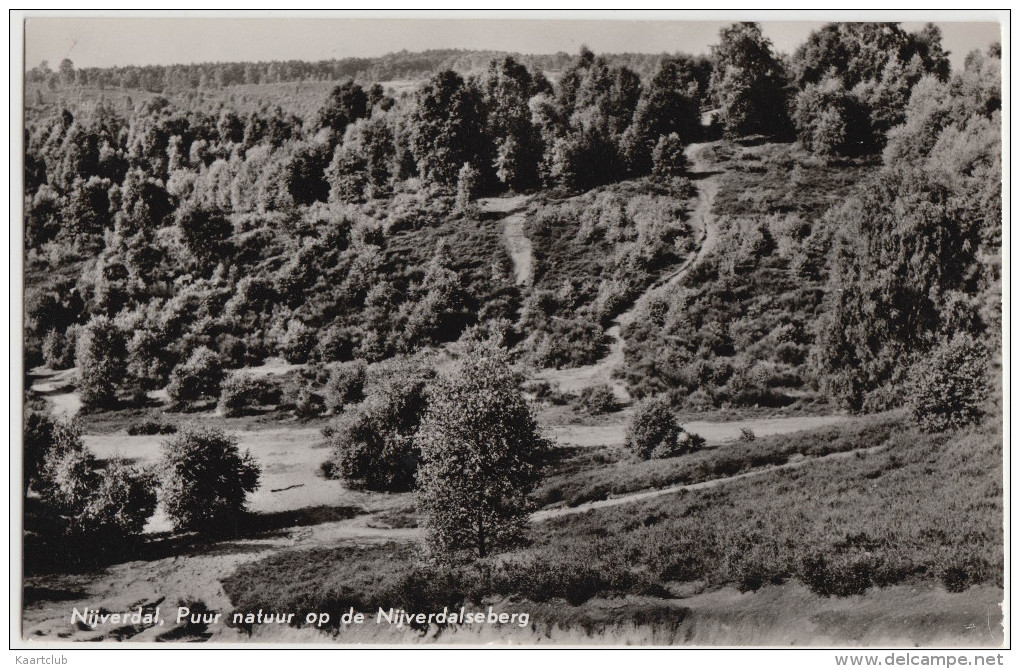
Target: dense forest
(747, 231)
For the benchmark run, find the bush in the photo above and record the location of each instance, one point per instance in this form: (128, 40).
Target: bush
(598, 399)
(91, 506)
(204, 480)
(335, 344)
(197, 378)
(949, 385)
(99, 507)
(746, 435)
(149, 427)
(58, 348)
(653, 431)
(243, 395)
(839, 574)
(308, 403)
(346, 385)
(373, 445)
(100, 352)
(297, 342)
(39, 433)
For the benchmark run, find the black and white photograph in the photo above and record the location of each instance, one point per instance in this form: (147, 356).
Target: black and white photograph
(527, 329)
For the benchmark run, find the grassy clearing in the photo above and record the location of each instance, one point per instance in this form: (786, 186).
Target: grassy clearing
(926, 510)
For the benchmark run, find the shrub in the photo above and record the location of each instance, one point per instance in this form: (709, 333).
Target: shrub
(243, 395)
(598, 399)
(839, 574)
(335, 344)
(949, 385)
(373, 444)
(653, 431)
(468, 179)
(204, 480)
(150, 426)
(668, 159)
(100, 507)
(88, 505)
(38, 438)
(308, 403)
(197, 378)
(99, 355)
(297, 342)
(58, 348)
(746, 435)
(346, 385)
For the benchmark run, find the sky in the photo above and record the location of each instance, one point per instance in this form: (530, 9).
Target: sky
(108, 41)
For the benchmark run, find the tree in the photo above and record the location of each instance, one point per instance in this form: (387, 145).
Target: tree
(507, 86)
(668, 106)
(100, 357)
(205, 479)
(205, 232)
(830, 121)
(480, 457)
(447, 122)
(904, 274)
(345, 105)
(668, 159)
(748, 82)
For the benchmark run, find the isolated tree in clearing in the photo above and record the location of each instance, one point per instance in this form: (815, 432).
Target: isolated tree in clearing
(480, 452)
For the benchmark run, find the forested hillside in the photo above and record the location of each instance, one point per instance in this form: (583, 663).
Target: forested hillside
(470, 271)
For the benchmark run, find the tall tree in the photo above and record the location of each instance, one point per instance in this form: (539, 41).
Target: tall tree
(748, 82)
(446, 129)
(480, 452)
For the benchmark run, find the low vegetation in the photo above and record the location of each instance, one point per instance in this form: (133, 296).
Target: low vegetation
(841, 527)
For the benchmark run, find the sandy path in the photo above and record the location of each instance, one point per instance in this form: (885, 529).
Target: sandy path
(577, 378)
(517, 242)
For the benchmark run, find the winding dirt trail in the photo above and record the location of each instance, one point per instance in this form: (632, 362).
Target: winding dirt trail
(577, 378)
(513, 208)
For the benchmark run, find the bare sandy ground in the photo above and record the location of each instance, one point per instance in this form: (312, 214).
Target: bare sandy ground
(517, 242)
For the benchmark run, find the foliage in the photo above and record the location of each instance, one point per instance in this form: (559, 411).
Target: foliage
(345, 386)
(151, 426)
(904, 252)
(598, 399)
(948, 387)
(204, 480)
(668, 159)
(58, 348)
(373, 442)
(748, 82)
(99, 358)
(653, 431)
(480, 454)
(197, 378)
(243, 394)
